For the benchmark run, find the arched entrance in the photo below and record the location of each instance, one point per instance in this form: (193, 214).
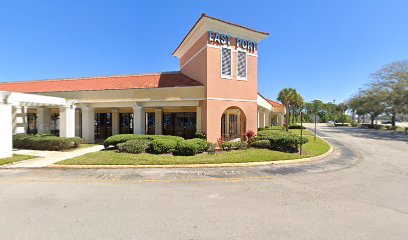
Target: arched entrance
(233, 124)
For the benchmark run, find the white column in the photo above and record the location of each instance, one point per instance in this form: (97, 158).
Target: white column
(267, 119)
(139, 120)
(78, 123)
(158, 117)
(198, 120)
(115, 122)
(19, 120)
(227, 130)
(6, 123)
(88, 124)
(14, 120)
(43, 121)
(259, 118)
(67, 121)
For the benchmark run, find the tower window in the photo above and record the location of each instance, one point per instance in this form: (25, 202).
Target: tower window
(226, 71)
(242, 65)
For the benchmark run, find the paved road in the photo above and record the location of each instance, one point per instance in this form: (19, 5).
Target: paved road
(360, 192)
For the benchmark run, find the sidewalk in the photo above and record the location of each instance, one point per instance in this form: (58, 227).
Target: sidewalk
(46, 158)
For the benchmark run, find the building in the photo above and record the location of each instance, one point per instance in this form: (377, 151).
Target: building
(214, 92)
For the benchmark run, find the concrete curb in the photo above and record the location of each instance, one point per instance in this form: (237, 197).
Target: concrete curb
(249, 164)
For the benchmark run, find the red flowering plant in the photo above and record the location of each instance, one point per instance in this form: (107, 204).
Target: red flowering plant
(250, 136)
(220, 142)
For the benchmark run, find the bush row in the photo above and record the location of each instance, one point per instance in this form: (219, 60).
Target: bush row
(278, 140)
(158, 144)
(113, 141)
(45, 142)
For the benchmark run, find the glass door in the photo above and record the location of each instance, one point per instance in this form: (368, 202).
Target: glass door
(103, 125)
(126, 123)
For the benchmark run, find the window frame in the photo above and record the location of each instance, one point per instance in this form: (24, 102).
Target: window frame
(231, 68)
(246, 66)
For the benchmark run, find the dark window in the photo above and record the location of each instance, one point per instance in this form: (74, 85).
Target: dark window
(151, 124)
(31, 123)
(181, 124)
(126, 123)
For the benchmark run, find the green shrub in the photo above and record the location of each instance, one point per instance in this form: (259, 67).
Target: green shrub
(296, 126)
(202, 144)
(228, 146)
(134, 146)
(187, 148)
(45, 142)
(261, 129)
(276, 128)
(287, 142)
(281, 140)
(200, 135)
(120, 138)
(159, 146)
(261, 144)
(267, 134)
(211, 147)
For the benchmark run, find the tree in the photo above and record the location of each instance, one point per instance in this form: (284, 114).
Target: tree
(296, 104)
(340, 109)
(285, 96)
(367, 102)
(391, 83)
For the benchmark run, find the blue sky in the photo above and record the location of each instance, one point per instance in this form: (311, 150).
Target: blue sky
(324, 49)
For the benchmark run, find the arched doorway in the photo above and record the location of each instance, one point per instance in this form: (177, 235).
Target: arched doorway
(233, 124)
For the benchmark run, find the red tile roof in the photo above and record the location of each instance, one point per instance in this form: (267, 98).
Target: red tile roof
(155, 80)
(273, 103)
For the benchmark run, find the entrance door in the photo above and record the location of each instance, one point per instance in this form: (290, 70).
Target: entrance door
(126, 123)
(181, 124)
(103, 125)
(31, 123)
(151, 123)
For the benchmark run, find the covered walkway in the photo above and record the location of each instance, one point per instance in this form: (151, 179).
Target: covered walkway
(13, 116)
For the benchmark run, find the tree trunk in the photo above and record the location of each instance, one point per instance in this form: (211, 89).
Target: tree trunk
(358, 118)
(393, 118)
(372, 120)
(294, 115)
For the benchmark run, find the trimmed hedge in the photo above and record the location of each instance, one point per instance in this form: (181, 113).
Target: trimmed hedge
(228, 146)
(45, 142)
(200, 135)
(201, 143)
(280, 140)
(187, 148)
(160, 146)
(296, 126)
(134, 146)
(120, 138)
(261, 144)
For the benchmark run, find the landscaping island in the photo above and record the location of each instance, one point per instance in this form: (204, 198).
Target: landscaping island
(271, 144)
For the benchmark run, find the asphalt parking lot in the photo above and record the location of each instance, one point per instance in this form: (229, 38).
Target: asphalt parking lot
(359, 192)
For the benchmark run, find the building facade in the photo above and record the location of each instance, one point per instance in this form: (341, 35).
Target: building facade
(214, 92)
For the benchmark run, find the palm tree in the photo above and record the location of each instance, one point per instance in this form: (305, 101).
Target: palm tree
(296, 104)
(285, 96)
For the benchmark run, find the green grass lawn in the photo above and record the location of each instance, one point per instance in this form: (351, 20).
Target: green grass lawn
(15, 158)
(310, 149)
(297, 131)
